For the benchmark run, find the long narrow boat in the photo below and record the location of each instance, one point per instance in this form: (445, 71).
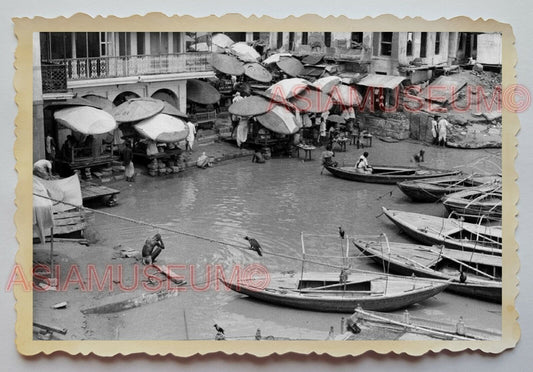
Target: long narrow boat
(325, 292)
(413, 328)
(479, 204)
(433, 189)
(449, 232)
(473, 274)
(388, 174)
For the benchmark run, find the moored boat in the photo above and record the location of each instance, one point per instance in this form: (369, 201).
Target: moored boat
(478, 204)
(473, 274)
(433, 189)
(336, 291)
(388, 174)
(409, 327)
(450, 232)
(327, 293)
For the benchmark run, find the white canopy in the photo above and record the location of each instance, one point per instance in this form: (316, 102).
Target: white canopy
(86, 120)
(163, 128)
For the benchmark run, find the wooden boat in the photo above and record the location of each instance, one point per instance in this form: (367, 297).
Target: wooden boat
(325, 292)
(409, 327)
(388, 174)
(479, 204)
(481, 272)
(433, 189)
(337, 291)
(449, 232)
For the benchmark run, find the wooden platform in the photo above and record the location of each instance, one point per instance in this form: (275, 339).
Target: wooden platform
(90, 192)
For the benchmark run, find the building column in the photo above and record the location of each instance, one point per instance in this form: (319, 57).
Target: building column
(147, 48)
(170, 42)
(133, 43)
(38, 115)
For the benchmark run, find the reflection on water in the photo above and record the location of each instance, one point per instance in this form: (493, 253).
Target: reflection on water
(272, 202)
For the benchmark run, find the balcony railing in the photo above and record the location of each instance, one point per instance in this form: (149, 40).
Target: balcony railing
(54, 78)
(124, 66)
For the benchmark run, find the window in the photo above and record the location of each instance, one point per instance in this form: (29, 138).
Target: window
(176, 42)
(256, 36)
(356, 39)
(423, 44)
(279, 41)
(409, 45)
(437, 43)
(140, 43)
(327, 39)
(81, 44)
(124, 45)
(291, 40)
(305, 38)
(386, 44)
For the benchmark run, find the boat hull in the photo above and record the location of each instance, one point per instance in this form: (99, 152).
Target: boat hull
(487, 290)
(433, 189)
(421, 233)
(387, 174)
(339, 304)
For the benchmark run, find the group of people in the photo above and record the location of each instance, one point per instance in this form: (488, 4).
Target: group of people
(438, 130)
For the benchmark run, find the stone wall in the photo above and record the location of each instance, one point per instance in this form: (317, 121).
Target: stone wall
(392, 125)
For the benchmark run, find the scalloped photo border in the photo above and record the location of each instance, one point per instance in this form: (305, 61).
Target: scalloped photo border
(25, 27)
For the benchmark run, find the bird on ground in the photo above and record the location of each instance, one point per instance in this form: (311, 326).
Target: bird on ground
(462, 277)
(352, 326)
(254, 245)
(419, 158)
(219, 329)
(341, 232)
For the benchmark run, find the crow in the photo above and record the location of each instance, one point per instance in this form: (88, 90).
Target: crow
(254, 245)
(219, 330)
(462, 277)
(352, 326)
(341, 232)
(419, 158)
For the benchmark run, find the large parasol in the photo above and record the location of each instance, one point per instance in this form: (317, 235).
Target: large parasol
(312, 100)
(257, 72)
(275, 58)
(251, 106)
(312, 59)
(327, 83)
(136, 109)
(102, 102)
(288, 88)
(227, 64)
(280, 120)
(245, 52)
(201, 92)
(163, 128)
(345, 95)
(172, 111)
(86, 120)
(222, 41)
(291, 66)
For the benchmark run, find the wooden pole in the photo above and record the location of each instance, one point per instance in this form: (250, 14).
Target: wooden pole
(186, 327)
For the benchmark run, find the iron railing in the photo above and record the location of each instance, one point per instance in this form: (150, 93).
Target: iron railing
(54, 78)
(124, 66)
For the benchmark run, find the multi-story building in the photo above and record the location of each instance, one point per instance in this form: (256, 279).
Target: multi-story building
(120, 65)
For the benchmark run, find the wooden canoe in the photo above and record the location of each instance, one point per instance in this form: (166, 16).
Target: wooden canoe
(324, 292)
(449, 232)
(478, 204)
(410, 326)
(388, 174)
(433, 189)
(482, 272)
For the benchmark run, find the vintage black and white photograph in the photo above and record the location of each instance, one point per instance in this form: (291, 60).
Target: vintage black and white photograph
(342, 186)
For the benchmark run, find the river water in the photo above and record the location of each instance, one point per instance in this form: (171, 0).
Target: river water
(273, 202)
